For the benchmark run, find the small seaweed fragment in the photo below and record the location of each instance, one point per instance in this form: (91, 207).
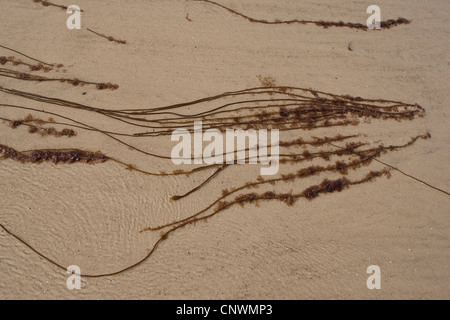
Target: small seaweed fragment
(107, 37)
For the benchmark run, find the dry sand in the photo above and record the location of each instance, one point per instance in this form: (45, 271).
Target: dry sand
(91, 215)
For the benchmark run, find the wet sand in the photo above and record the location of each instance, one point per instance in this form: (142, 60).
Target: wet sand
(178, 51)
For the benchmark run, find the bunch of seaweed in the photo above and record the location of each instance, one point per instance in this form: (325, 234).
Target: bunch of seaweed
(284, 108)
(310, 118)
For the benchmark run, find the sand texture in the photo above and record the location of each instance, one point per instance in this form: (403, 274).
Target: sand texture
(178, 51)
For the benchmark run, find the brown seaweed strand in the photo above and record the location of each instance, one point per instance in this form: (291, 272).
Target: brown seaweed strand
(50, 4)
(33, 67)
(29, 77)
(55, 156)
(107, 37)
(428, 135)
(209, 179)
(73, 155)
(324, 24)
(26, 56)
(32, 248)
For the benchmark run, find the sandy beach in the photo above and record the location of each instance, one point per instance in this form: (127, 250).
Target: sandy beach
(179, 51)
